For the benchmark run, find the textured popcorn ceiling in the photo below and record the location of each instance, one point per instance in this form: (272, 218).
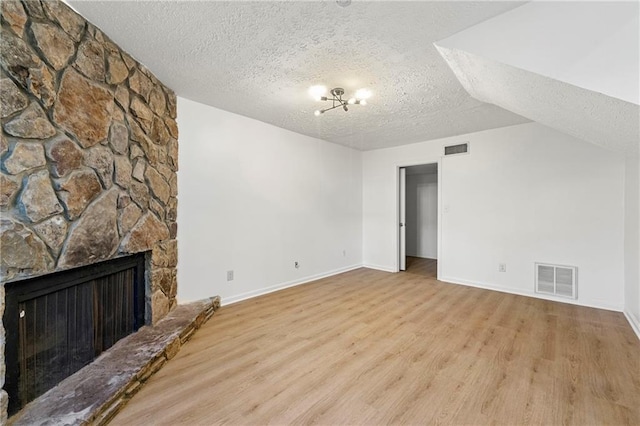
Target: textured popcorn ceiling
(572, 66)
(600, 119)
(259, 58)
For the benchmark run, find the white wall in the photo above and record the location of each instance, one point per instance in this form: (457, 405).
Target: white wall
(254, 198)
(422, 215)
(632, 242)
(599, 50)
(525, 193)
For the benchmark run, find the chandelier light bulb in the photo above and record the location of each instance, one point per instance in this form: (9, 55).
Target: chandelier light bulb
(363, 102)
(317, 92)
(352, 101)
(317, 113)
(363, 94)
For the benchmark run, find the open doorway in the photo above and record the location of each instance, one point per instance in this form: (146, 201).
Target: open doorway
(418, 205)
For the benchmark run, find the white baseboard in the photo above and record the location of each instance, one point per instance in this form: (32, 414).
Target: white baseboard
(379, 268)
(266, 290)
(634, 321)
(589, 304)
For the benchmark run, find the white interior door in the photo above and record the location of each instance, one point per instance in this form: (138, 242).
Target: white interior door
(403, 219)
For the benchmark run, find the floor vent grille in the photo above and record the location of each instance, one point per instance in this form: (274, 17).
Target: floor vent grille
(557, 280)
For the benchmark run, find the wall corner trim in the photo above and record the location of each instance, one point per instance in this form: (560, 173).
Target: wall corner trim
(634, 321)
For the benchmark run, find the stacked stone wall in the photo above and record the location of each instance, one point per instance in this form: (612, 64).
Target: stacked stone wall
(88, 154)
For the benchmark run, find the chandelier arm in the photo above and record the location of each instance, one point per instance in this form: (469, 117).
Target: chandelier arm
(329, 109)
(338, 100)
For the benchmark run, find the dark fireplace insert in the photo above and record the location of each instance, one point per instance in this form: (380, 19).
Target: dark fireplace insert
(58, 323)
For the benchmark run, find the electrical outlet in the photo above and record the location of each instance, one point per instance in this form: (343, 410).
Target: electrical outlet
(229, 275)
(296, 265)
(502, 267)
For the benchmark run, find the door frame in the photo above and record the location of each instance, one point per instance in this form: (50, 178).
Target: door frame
(396, 224)
(402, 219)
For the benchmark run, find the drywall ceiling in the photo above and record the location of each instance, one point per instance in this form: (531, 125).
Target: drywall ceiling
(590, 44)
(258, 59)
(583, 82)
(600, 119)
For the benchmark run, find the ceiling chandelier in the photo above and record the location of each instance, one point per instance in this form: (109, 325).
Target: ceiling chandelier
(337, 98)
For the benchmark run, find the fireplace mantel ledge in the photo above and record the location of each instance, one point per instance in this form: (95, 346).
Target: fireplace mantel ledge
(98, 391)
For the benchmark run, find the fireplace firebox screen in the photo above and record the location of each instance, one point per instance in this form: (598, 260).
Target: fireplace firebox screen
(58, 323)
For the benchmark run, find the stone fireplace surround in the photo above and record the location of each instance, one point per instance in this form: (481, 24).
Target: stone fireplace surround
(88, 155)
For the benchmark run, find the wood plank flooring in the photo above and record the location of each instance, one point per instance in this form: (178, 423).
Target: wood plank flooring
(369, 347)
(428, 268)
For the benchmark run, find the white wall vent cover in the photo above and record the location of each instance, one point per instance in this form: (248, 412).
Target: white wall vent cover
(557, 280)
(462, 148)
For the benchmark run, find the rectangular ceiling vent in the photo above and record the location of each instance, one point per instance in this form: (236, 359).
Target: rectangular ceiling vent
(557, 280)
(462, 148)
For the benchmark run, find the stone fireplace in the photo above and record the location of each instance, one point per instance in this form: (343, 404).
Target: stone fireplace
(88, 156)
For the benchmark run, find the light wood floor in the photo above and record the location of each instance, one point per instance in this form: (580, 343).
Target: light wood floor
(427, 268)
(370, 347)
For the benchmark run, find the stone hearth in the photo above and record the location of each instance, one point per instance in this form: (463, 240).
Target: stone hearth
(88, 155)
(97, 392)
